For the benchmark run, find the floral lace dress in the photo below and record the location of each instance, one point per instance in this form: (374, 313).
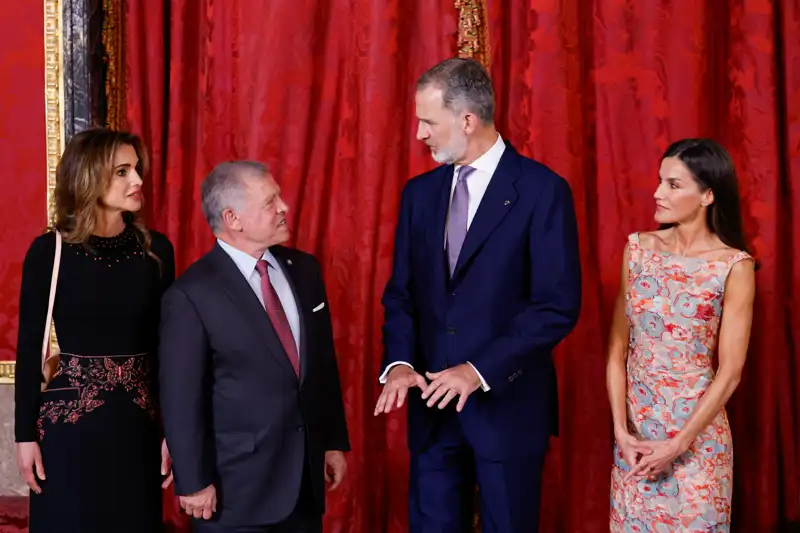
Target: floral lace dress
(674, 306)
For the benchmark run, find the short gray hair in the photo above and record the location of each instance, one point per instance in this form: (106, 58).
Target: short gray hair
(465, 84)
(223, 188)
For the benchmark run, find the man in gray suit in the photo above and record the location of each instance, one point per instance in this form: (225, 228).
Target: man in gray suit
(249, 384)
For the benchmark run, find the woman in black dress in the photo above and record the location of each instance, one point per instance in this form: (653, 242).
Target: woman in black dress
(90, 445)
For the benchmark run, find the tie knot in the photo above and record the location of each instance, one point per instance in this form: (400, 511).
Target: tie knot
(465, 172)
(261, 267)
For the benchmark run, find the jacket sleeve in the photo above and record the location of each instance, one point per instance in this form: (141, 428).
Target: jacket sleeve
(183, 362)
(555, 290)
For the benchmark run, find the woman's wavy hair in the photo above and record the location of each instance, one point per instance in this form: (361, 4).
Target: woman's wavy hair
(82, 177)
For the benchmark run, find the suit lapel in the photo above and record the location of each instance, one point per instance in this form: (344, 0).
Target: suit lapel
(243, 297)
(303, 302)
(497, 202)
(438, 225)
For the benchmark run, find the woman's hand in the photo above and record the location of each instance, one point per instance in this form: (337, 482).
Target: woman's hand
(628, 445)
(657, 458)
(166, 464)
(29, 456)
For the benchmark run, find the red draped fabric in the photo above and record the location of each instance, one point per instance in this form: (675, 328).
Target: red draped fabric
(322, 91)
(598, 94)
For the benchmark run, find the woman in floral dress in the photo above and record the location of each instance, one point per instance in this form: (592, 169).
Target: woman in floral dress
(673, 459)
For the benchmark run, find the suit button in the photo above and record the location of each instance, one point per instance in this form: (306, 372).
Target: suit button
(300, 429)
(451, 331)
(444, 367)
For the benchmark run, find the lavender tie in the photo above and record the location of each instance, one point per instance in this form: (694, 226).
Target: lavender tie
(457, 220)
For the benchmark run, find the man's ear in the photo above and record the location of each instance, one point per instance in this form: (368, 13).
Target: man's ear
(471, 122)
(231, 220)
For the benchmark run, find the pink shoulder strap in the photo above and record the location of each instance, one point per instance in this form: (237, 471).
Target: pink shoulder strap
(53, 282)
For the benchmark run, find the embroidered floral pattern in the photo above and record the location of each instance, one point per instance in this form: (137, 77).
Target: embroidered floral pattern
(93, 377)
(674, 307)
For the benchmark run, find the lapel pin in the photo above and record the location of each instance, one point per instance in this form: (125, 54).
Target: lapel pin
(507, 202)
(289, 262)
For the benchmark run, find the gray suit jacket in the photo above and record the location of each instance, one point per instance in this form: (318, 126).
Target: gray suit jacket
(235, 413)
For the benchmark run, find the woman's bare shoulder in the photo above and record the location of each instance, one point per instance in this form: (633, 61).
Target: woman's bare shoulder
(654, 239)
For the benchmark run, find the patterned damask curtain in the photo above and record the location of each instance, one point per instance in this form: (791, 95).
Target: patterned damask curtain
(473, 42)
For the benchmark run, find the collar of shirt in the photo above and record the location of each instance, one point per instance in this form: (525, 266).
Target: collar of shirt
(245, 262)
(488, 162)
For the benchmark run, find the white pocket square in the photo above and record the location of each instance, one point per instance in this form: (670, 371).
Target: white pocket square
(317, 308)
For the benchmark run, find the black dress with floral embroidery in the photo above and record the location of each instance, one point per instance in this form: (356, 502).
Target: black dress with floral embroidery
(96, 423)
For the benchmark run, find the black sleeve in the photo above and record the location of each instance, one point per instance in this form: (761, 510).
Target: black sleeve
(163, 249)
(336, 435)
(33, 301)
(183, 360)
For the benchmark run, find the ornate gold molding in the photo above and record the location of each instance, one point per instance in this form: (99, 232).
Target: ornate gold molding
(473, 31)
(54, 108)
(53, 94)
(6, 372)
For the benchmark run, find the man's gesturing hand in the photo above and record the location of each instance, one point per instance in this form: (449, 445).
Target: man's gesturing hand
(461, 380)
(400, 379)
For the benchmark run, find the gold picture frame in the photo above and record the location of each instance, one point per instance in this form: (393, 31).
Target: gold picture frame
(54, 94)
(54, 117)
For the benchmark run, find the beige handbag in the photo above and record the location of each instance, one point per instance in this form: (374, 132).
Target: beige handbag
(50, 354)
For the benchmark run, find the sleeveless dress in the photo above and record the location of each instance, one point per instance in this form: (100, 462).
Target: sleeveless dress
(97, 422)
(674, 307)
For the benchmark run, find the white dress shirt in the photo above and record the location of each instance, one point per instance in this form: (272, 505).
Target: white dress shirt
(477, 183)
(247, 265)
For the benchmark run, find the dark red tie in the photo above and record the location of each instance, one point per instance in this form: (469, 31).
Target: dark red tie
(278, 316)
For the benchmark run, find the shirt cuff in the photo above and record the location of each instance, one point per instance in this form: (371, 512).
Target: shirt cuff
(485, 386)
(382, 379)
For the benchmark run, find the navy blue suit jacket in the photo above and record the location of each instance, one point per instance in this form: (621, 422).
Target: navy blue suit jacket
(515, 294)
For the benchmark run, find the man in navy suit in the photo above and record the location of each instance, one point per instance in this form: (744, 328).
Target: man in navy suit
(485, 283)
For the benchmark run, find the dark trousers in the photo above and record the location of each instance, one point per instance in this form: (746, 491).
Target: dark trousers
(305, 517)
(443, 479)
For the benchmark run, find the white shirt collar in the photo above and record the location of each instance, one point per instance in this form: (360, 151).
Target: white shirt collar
(488, 162)
(244, 261)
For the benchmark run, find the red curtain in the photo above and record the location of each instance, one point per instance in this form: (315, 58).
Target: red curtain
(23, 152)
(598, 93)
(323, 92)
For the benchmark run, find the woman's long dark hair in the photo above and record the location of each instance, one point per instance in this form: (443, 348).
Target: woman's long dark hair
(712, 168)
